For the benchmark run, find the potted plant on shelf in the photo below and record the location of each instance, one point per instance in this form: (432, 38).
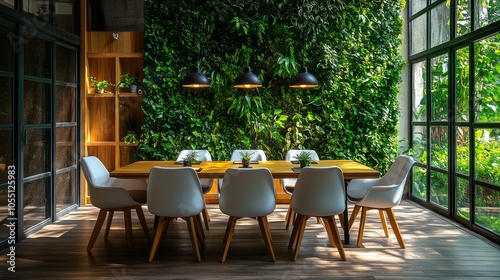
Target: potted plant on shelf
(130, 82)
(131, 137)
(190, 158)
(99, 86)
(304, 158)
(245, 158)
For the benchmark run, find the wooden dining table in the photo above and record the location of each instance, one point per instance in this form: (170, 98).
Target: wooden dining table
(280, 169)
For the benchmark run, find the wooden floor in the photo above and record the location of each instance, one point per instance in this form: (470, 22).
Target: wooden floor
(436, 248)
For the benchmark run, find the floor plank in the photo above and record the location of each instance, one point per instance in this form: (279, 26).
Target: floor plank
(436, 248)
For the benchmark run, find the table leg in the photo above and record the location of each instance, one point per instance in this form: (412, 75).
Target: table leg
(346, 217)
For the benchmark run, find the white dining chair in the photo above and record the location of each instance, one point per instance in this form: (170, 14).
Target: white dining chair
(111, 194)
(380, 194)
(288, 184)
(319, 192)
(247, 192)
(176, 193)
(257, 155)
(206, 184)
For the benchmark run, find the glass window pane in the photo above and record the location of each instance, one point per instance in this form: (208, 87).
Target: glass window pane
(7, 40)
(462, 85)
(65, 64)
(487, 11)
(419, 91)
(462, 198)
(37, 57)
(65, 147)
(487, 208)
(439, 146)
(66, 104)
(439, 88)
(65, 190)
(419, 143)
(487, 79)
(35, 204)
(65, 15)
(418, 34)
(10, 4)
(462, 141)
(463, 18)
(6, 96)
(487, 159)
(440, 24)
(5, 154)
(419, 185)
(36, 102)
(36, 152)
(439, 189)
(416, 6)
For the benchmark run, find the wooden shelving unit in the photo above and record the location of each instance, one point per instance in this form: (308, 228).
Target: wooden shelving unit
(108, 117)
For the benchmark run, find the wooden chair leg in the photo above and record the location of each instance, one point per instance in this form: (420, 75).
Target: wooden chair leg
(206, 217)
(361, 226)
(128, 227)
(97, 228)
(194, 237)
(328, 230)
(341, 220)
(336, 236)
(395, 227)
(295, 231)
(200, 234)
(142, 219)
(160, 229)
(354, 214)
(266, 234)
(108, 224)
(231, 223)
(289, 217)
(300, 235)
(384, 222)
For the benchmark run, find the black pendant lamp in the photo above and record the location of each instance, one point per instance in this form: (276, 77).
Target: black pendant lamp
(196, 79)
(247, 80)
(304, 79)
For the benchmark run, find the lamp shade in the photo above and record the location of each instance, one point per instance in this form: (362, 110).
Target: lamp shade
(304, 79)
(247, 80)
(196, 79)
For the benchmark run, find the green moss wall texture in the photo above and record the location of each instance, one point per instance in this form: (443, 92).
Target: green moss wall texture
(353, 48)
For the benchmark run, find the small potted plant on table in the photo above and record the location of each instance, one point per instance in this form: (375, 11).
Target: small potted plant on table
(245, 158)
(304, 158)
(190, 158)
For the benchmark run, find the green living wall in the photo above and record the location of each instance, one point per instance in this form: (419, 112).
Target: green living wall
(351, 47)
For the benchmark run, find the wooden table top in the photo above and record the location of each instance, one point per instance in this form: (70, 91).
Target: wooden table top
(216, 169)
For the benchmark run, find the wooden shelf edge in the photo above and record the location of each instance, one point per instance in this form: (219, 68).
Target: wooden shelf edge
(129, 94)
(100, 95)
(115, 55)
(101, 143)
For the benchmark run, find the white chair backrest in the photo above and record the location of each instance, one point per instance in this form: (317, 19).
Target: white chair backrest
(290, 154)
(95, 172)
(201, 155)
(247, 192)
(319, 191)
(258, 155)
(396, 175)
(174, 192)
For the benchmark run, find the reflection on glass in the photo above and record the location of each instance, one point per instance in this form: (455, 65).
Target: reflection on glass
(65, 104)
(419, 101)
(7, 46)
(6, 98)
(36, 152)
(440, 24)
(419, 184)
(439, 88)
(65, 17)
(462, 85)
(462, 198)
(439, 189)
(417, 5)
(487, 210)
(487, 158)
(462, 141)
(487, 80)
(65, 64)
(37, 57)
(463, 18)
(35, 202)
(418, 31)
(439, 146)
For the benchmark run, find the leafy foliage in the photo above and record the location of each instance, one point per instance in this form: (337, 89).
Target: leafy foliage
(352, 47)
